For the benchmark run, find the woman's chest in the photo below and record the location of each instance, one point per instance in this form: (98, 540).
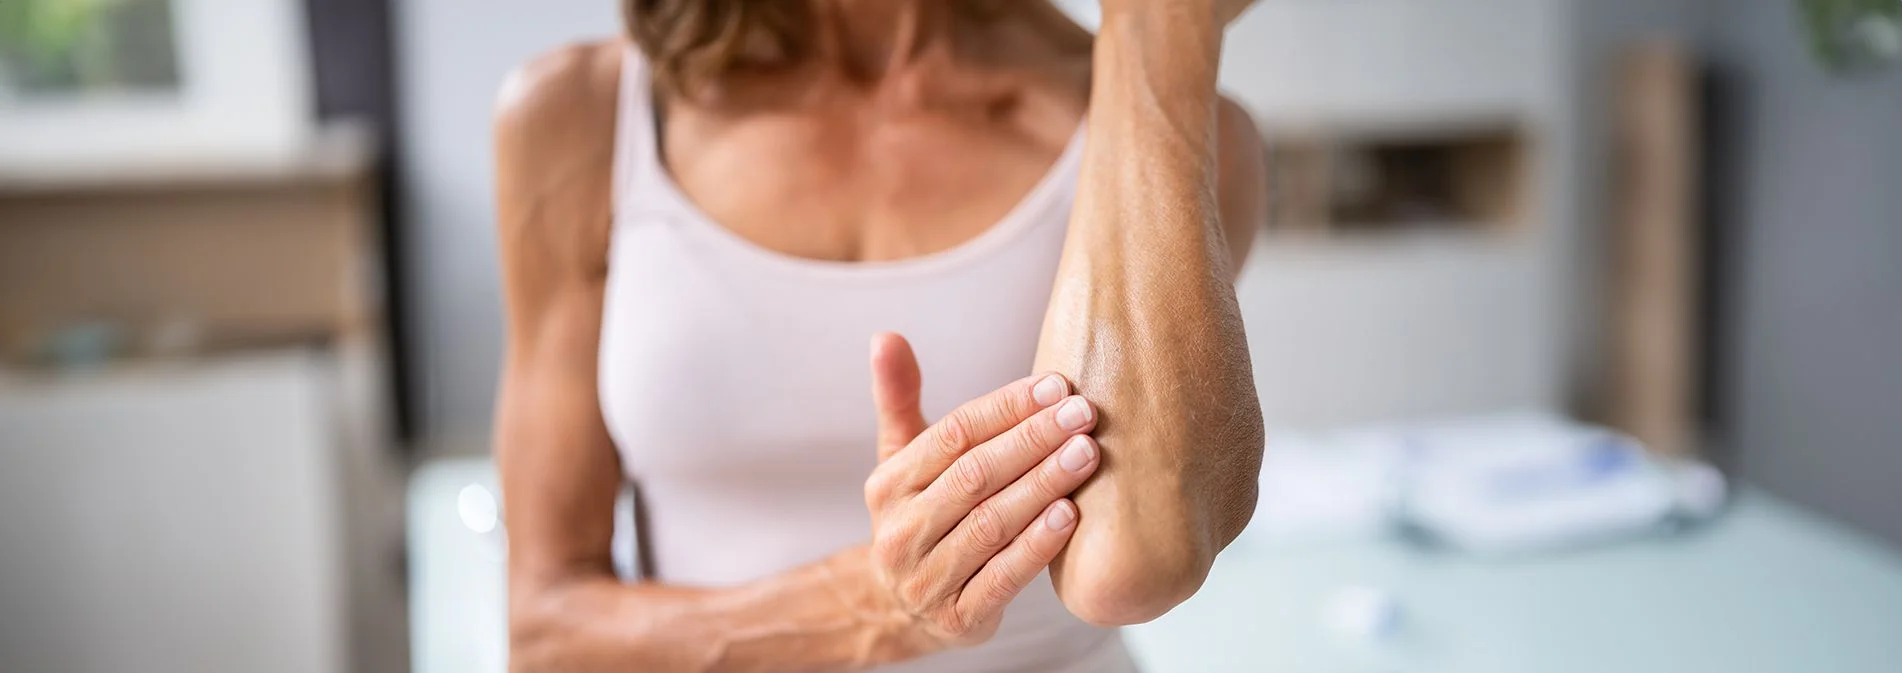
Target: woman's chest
(845, 192)
(713, 367)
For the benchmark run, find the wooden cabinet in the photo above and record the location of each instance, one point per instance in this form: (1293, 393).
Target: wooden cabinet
(240, 255)
(220, 435)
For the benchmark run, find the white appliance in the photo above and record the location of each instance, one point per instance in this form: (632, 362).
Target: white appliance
(172, 518)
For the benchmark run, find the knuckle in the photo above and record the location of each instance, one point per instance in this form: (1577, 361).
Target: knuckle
(954, 434)
(891, 547)
(1010, 408)
(877, 489)
(914, 591)
(954, 623)
(968, 477)
(1021, 401)
(987, 531)
(884, 550)
(1040, 436)
(1049, 484)
(1001, 593)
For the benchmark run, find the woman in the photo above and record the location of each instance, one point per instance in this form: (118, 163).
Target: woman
(701, 226)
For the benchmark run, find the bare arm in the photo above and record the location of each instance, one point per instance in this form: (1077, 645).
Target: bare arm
(560, 473)
(1144, 319)
(965, 512)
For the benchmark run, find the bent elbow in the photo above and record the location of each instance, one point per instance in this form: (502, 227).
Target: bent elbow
(1138, 555)
(1134, 586)
(1126, 605)
(527, 651)
(542, 635)
(532, 641)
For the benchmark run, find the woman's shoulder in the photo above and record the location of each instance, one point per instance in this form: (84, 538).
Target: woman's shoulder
(555, 108)
(554, 125)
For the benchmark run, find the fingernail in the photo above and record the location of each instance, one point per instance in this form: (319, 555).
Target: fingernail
(1074, 414)
(1049, 390)
(1077, 454)
(1060, 517)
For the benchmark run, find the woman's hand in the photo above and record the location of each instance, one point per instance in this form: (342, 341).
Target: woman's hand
(966, 512)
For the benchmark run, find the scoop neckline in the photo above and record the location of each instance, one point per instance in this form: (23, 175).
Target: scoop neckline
(1014, 222)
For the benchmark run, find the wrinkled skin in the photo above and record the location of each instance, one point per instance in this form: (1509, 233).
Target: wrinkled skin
(1143, 318)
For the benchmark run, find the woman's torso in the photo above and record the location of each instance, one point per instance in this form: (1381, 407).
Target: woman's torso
(734, 378)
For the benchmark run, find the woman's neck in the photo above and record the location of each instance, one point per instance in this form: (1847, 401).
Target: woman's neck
(869, 39)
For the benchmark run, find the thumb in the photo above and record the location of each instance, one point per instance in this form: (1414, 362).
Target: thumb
(895, 384)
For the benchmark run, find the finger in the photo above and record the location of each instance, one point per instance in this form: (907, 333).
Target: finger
(984, 471)
(895, 392)
(995, 522)
(980, 420)
(1007, 573)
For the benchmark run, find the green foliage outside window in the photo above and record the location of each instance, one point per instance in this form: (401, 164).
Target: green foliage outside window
(1853, 34)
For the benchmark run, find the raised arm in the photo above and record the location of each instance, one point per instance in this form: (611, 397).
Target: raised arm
(1143, 316)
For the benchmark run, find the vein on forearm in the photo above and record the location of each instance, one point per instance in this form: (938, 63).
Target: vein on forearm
(1145, 306)
(1150, 179)
(804, 620)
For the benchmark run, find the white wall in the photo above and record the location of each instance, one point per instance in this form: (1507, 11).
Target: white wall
(453, 55)
(1376, 329)
(1409, 328)
(1514, 337)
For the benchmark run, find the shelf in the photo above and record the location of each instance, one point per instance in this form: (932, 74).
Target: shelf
(1393, 125)
(1422, 235)
(1352, 178)
(335, 153)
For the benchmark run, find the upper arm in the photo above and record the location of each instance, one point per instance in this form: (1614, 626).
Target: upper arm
(1241, 179)
(559, 470)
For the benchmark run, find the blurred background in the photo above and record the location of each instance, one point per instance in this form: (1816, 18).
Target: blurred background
(1578, 327)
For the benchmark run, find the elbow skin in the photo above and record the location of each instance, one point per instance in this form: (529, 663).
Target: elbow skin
(1144, 545)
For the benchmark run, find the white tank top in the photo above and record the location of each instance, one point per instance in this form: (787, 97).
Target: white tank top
(735, 384)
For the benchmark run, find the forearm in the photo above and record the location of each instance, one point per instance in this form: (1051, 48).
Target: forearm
(1144, 319)
(814, 618)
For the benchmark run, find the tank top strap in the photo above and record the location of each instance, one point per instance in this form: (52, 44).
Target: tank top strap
(635, 156)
